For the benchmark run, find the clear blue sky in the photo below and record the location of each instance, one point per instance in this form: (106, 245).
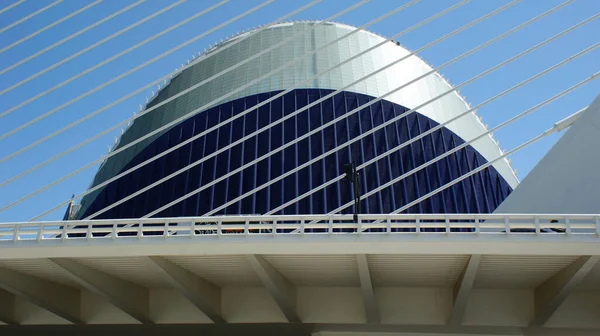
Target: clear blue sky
(475, 93)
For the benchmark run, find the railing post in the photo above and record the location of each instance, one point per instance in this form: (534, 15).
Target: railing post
(140, 233)
(247, 227)
(302, 224)
(598, 225)
(166, 230)
(536, 221)
(447, 222)
(40, 233)
(388, 224)
(330, 229)
(114, 230)
(64, 232)
(507, 224)
(89, 231)
(219, 227)
(417, 225)
(477, 225)
(274, 225)
(16, 233)
(567, 225)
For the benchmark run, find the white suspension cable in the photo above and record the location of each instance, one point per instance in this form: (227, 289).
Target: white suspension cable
(79, 53)
(108, 60)
(568, 121)
(97, 23)
(3, 29)
(293, 113)
(317, 129)
(11, 6)
(37, 142)
(185, 117)
(50, 26)
(556, 128)
(484, 134)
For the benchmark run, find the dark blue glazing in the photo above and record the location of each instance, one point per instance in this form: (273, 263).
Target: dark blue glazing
(480, 193)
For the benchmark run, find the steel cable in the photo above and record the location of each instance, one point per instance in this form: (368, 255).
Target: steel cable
(39, 11)
(11, 6)
(56, 44)
(41, 30)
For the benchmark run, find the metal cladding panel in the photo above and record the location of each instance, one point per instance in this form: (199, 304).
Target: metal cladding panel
(225, 87)
(481, 193)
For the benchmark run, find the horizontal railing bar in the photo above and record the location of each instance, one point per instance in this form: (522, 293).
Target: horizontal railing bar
(319, 224)
(270, 218)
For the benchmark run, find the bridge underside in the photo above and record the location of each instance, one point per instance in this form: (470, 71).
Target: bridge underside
(443, 291)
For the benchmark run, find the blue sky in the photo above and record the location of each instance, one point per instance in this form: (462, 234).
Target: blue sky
(475, 93)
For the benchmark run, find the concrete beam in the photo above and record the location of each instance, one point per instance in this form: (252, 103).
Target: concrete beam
(462, 290)
(203, 294)
(366, 286)
(552, 293)
(60, 300)
(7, 308)
(130, 298)
(280, 288)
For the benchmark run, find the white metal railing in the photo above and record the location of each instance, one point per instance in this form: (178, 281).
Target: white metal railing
(148, 228)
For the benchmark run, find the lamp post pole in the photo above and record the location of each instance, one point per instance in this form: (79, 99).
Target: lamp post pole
(352, 176)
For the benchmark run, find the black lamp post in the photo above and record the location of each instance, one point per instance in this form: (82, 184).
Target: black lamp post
(352, 176)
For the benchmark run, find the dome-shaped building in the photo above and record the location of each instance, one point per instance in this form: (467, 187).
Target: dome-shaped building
(481, 193)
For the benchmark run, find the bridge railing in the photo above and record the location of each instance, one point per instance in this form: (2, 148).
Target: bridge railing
(464, 224)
